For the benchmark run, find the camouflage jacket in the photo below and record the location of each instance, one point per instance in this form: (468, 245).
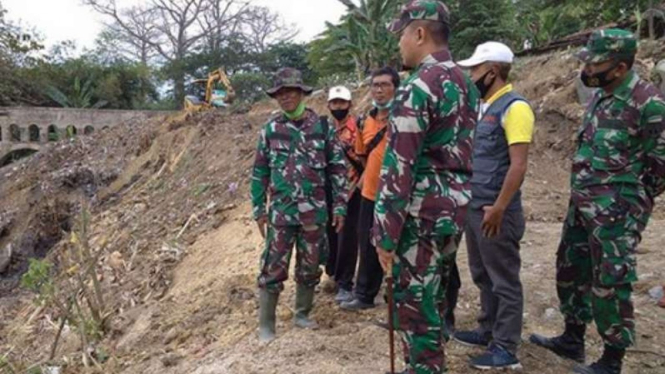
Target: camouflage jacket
(293, 162)
(426, 170)
(621, 148)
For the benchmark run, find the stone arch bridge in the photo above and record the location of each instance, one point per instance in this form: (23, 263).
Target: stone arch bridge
(27, 129)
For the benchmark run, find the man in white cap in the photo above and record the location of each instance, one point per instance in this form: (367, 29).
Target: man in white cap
(343, 255)
(495, 220)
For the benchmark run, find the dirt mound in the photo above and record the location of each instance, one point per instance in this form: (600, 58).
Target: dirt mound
(40, 194)
(151, 188)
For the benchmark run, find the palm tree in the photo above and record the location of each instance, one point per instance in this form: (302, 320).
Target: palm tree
(363, 35)
(349, 38)
(81, 96)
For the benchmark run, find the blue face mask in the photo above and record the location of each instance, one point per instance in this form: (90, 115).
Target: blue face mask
(385, 106)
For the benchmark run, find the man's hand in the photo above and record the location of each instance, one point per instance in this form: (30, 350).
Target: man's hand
(338, 223)
(262, 222)
(491, 226)
(385, 259)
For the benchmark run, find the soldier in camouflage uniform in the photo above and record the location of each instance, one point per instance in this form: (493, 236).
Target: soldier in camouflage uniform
(618, 171)
(296, 154)
(425, 186)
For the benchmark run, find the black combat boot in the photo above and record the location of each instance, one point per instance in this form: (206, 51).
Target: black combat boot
(570, 345)
(610, 363)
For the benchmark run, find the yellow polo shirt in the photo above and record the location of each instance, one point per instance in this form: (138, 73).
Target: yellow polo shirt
(518, 122)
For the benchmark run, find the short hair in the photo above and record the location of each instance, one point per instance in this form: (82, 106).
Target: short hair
(504, 70)
(439, 31)
(387, 70)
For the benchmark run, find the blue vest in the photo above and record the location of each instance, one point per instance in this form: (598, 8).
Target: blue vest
(491, 159)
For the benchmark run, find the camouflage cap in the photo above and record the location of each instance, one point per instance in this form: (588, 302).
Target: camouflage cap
(288, 78)
(427, 10)
(606, 44)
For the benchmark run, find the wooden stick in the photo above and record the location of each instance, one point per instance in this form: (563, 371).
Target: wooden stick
(391, 326)
(54, 347)
(191, 218)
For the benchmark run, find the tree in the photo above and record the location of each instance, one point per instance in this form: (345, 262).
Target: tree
(190, 36)
(17, 48)
(286, 54)
(361, 36)
(372, 16)
(17, 43)
(257, 45)
(220, 22)
(476, 21)
(86, 81)
(325, 63)
(542, 21)
(263, 28)
(250, 87)
(81, 96)
(133, 40)
(251, 72)
(177, 31)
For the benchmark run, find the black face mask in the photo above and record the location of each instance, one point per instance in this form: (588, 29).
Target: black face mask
(599, 79)
(339, 114)
(482, 87)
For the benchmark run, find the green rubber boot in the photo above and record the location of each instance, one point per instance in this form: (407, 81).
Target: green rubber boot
(267, 308)
(304, 303)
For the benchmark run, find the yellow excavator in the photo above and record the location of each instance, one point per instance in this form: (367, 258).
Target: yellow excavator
(214, 92)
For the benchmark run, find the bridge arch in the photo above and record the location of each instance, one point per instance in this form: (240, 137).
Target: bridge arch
(53, 133)
(88, 130)
(33, 133)
(18, 151)
(71, 131)
(14, 133)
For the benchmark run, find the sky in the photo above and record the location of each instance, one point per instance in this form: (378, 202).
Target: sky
(59, 20)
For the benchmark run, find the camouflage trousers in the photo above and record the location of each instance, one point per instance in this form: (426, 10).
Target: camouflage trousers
(421, 272)
(311, 243)
(596, 269)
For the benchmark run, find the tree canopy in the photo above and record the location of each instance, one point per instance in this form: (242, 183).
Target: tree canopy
(146, 54)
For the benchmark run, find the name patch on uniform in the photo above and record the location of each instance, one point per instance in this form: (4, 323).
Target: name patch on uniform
(279, 136)
(315, 136)
(610, 123)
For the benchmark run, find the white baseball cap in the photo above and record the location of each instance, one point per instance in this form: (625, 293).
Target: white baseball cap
(488, 52)
(339, 92)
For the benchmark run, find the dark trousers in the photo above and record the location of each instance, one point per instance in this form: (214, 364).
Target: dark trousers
(370, 273)
(343, 256)
(448, 304)
(452, 294)
(495, 268)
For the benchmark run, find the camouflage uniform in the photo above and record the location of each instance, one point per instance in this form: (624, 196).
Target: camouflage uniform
(424, 190)
(618, 170)
(293, 161)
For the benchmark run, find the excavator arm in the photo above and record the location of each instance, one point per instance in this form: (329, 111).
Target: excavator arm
(220, 76)
(208, 101)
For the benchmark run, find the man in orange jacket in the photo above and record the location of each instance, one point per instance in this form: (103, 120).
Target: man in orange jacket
(371, 146)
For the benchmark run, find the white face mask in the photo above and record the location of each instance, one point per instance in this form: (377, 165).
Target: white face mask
(384, 106)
